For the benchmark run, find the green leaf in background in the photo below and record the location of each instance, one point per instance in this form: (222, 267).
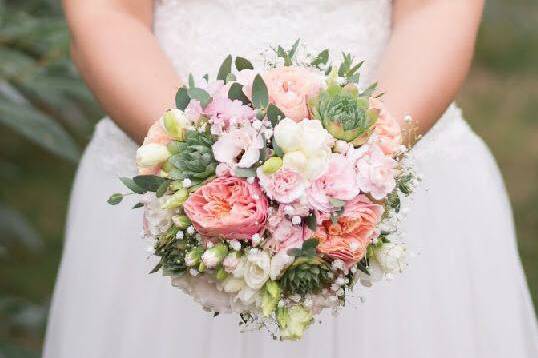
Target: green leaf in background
(182, 98)
(39, 128)
(242, 63)
(236, 93)
(369, 91)
(260, 96)
(14, 226)
(225, 68)
(200, 95)
(321, 59)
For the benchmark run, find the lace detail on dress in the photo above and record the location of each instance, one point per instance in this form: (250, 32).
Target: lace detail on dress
(199, 34)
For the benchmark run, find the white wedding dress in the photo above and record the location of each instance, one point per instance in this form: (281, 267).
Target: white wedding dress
(465, 295)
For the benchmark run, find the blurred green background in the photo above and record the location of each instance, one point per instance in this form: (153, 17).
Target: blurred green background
(47, 115)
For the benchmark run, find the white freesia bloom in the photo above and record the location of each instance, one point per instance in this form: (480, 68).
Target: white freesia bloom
(306, 146)
(239, 146)
(392, 257)
(257, 269)
(279, 263)
(150, 155)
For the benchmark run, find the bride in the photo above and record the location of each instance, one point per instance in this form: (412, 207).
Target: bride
(464, 296)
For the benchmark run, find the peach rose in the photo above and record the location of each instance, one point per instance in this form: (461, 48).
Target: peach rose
(290, 88)
(387, 128)
(228, 207)
(348, 238)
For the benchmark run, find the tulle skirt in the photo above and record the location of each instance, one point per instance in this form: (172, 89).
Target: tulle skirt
(464, 295)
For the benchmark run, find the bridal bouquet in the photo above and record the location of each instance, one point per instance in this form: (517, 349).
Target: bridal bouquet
(271, 192)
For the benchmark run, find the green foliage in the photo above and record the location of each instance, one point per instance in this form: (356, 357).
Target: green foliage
(288, 55)
(343, 112)
(306, 275)
(195, 158)
(260, 95)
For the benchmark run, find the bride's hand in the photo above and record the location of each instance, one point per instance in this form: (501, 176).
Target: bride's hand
(121, 61)
(428, 56)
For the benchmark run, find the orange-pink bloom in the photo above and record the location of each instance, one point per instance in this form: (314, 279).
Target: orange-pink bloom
(348, 238)
(228, 207)
(290, 88)
(387, 128)
(156, 135)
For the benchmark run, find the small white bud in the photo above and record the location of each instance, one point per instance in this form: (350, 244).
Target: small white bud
(187, 183)
(296, 220)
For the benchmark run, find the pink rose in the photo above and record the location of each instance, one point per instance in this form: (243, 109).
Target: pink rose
(228, 207)
(290, 88)
(387, 128)
(375, 171)
(284, 186)
(337, 182)
(349, 237)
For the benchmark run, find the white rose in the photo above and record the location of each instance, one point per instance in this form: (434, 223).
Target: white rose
(233, 285)
(257, 269)
(315, 138)
(150, 155)
(279, 262)
(392, 257)
(287, 134)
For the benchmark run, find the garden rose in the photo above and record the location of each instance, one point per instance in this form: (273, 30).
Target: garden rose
(375, 171)
(228, 207)
(285, 185)
(387, 128)
(290, 88)
(338, 182)
(348, 238)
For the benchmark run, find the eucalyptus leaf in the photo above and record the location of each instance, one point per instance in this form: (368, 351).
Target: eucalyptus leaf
(182, 98)
(274, 114)
(236, 93)
(200, 95)
(242, 63)
(149, 182)
(260, 96)
(131, 185)
(115, 199)
(138, 205)
(225, 68)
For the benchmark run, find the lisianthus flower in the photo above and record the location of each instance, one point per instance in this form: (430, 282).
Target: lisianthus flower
(375, 171)
(228, 207)
(337, 182)
(348, 238)
(239, 146)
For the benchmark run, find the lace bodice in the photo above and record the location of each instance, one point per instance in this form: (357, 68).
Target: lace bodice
(199, 34)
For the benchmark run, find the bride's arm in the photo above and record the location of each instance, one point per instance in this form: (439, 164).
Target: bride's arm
(121, 61)
(428, 56)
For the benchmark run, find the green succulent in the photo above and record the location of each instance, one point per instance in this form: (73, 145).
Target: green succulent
(343, 112)
(305, 276)
(192, 158)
